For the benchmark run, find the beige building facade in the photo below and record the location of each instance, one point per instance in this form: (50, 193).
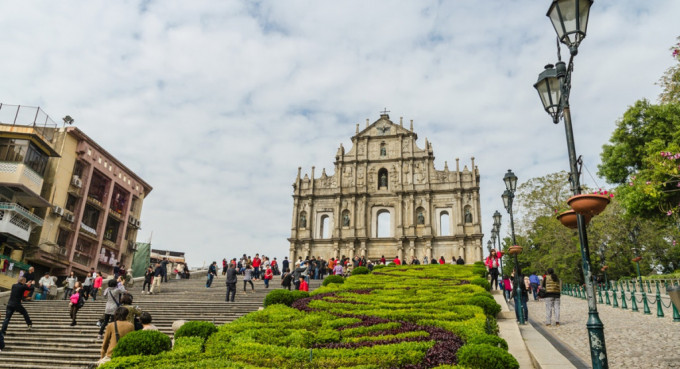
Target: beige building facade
(96, 203)
(386, 198)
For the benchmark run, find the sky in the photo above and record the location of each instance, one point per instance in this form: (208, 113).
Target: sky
(217, 103)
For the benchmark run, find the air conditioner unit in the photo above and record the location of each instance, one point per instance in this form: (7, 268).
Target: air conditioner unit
(76, 181)
(132, 220)
(69, 217)
(62, 251)
(138, 223)
(58, 210)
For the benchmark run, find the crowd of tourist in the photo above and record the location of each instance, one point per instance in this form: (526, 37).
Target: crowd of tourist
(544, 287)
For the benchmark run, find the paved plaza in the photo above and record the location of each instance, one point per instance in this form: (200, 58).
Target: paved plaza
(634, 340)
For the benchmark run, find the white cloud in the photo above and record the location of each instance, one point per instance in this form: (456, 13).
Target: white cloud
(217, 104)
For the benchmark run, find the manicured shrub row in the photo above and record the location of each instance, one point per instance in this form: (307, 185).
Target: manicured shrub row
(333, 279)
(399, 316)
(196, 329)
(284, 297)
(142, 343)
(360, 270)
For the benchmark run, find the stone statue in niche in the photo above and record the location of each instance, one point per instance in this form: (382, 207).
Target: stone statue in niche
(383, 150)
(345, 219)
(348, 177)
(420, 173)
(383, 180)
(468, 215)
(303, 220)
(421, 218)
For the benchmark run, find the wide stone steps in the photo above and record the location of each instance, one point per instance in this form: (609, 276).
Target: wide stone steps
(53, 343)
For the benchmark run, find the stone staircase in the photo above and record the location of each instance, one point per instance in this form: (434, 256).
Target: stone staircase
(53, 343)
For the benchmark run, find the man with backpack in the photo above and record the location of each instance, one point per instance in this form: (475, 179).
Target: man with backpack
(112, 295)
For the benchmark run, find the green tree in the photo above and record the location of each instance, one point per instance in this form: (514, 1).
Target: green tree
(670, 81)
(644, 128)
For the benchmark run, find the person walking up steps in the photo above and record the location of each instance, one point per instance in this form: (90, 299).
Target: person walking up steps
(96, 286)
(268, 275)
(77, 302)
(232, 276)
(212, 273)
(70, 285)
(493, 262)
(148, 276)
(14, 304)
(248, 278)
(112, 295)
(156, 283)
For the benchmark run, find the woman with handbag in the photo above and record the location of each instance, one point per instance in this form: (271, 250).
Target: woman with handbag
(114, 331)
(134, 312)
(551, 286)
(77, 302)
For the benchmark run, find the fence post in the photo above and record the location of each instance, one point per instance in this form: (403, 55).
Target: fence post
(633, 303)
(659, 304)
(624, 305)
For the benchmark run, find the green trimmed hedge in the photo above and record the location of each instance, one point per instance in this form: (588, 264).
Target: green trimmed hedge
(196, 328)
(360, 270)
(333, 279)
(397, 317)
(483, 356)
(284, 297)
(143, 342)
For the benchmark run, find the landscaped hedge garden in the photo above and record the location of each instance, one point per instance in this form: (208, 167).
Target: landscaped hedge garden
(396, 317)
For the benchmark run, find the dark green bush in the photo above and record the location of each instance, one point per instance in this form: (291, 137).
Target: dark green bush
(196, 329)
(489, 305)
(479, 264)
(379, 266)
(482, 282)
(333, 279)
(483, 356)
(480, 271)
(145, 342)
(488, 339)
(360, 270)
(284, 297)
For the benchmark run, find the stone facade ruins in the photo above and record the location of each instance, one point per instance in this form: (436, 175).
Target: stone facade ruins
(386, 198)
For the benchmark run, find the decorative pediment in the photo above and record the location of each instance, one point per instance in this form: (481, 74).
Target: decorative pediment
(384, 127)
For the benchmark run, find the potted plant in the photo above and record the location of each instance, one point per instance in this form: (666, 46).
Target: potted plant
(514, 249)
(590, 204)
(568, 218)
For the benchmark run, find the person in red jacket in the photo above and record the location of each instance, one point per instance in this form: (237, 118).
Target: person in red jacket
(382, 260)
(442, 260)
(396, 260)
(268, 275)
(492, 262)
(303, 284)
(256, 266)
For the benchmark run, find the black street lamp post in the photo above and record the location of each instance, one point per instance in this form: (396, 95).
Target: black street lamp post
(510, 180)
(570, 20)
(497, 229)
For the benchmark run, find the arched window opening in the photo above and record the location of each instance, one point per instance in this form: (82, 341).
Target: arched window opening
(382, 178)
(444, 228)
(325, 226)
(384, 229)
(420, 216)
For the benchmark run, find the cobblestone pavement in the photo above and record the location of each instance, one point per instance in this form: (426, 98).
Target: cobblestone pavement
(633, 340)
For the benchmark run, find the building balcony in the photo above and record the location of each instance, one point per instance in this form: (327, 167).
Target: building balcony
(17, 220)
(110, 243)
(48, 252)
(82, 259)
(24, 182)
(88, 229)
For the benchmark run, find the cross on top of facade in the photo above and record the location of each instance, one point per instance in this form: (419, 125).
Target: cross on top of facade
(384, 112)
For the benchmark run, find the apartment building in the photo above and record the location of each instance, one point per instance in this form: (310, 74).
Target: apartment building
(96, 204)
(26, 137)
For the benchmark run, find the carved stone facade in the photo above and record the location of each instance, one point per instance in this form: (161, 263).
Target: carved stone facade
(386, 198)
